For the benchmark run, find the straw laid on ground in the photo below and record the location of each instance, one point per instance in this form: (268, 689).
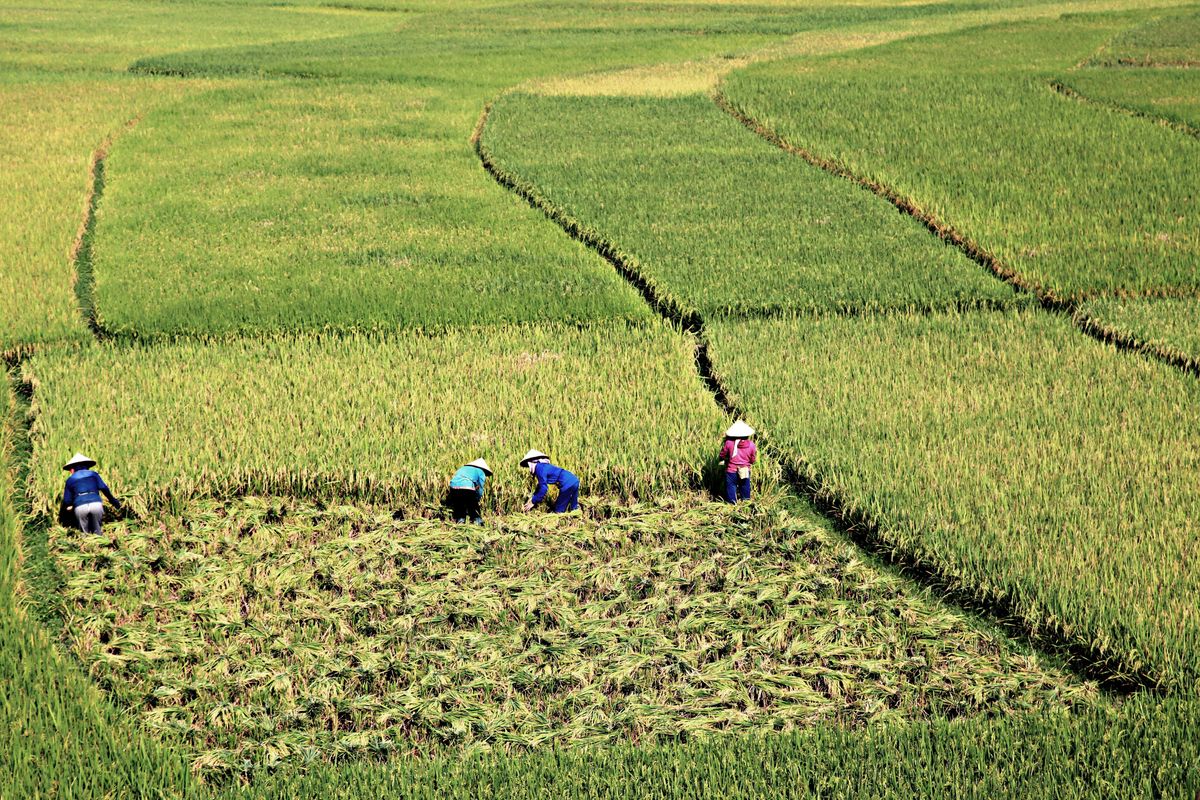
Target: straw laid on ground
(266, 630)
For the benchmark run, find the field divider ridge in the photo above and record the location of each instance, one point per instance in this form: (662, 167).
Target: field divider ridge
(802, 478)
(1123, 340)
(658, 299)
(36, 579)
(81, 249)
(1065, 90)
(1048, 300)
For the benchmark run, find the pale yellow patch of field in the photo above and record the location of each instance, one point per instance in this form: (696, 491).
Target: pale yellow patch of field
(700, 76)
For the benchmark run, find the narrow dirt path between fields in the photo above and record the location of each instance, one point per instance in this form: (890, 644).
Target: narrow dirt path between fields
(1048, 299)
(1051, 639)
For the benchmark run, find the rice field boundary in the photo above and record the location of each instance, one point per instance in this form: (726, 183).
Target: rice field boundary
(1048, 639)
(81, 249)
(1062, 89)
(36, 576)
(1048, 300)
(1127, 341)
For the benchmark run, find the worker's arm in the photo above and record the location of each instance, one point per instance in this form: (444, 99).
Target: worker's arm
(542, 487)
(754, 453)
(68, 494)
(479, 481)
(104, 490)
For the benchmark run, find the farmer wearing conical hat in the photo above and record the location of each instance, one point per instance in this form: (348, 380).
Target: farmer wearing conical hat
(466, 491)
(737, 454)
(82, 493)
(546, 473)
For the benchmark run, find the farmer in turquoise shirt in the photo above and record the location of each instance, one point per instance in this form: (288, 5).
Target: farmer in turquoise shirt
(466, 491)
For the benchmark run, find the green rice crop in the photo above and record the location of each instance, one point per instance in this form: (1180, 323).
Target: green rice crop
(1006, 451)
(1073, 198)
(356, 202)
(1168, 325)
(1162, 87)
(268, 631)
(345, 123)
(718, 220)
(1168, 93)
(1171, 39)
(77, 36)
(302, 205)
(1144, 748)
(390, 418)
(504, 44)
(360, 203)
(49, 129)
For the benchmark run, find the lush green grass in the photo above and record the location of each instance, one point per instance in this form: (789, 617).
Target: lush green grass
(1007, 451)
(1171, 39)
(386, 417)
(718, 220)
(1171, 325)
(1072, 197)
(268, 631)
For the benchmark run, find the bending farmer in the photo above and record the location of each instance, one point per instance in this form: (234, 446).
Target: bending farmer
(82, 493)
(737, 454)
(546, 473)
(466, 491)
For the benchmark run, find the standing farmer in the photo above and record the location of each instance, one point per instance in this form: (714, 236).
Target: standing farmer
(737, 454)
(82, 493)
(546, 473)
(466, 491)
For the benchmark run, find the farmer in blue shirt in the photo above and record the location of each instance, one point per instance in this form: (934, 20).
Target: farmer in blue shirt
(82, 493)
(546, 473)
(466, 491)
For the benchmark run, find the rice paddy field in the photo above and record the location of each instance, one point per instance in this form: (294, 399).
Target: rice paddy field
(282, 268)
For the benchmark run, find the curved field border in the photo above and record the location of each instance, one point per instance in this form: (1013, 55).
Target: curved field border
(905, 205)
(81, 249)
(1064, 89)
(1050, 637)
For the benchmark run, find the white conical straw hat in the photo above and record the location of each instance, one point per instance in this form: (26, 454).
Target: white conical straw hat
(531, 455)
(479, 462)
(739, 430)
(79, 460)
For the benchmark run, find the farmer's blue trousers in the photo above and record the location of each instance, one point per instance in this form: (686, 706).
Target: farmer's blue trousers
(568, 499)
(736, 488)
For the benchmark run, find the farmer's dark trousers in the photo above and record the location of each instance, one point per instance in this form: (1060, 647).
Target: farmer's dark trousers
(568, 499)
(464, 504)
(736, 488)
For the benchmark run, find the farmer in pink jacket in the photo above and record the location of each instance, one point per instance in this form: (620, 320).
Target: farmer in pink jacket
(737, 454)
